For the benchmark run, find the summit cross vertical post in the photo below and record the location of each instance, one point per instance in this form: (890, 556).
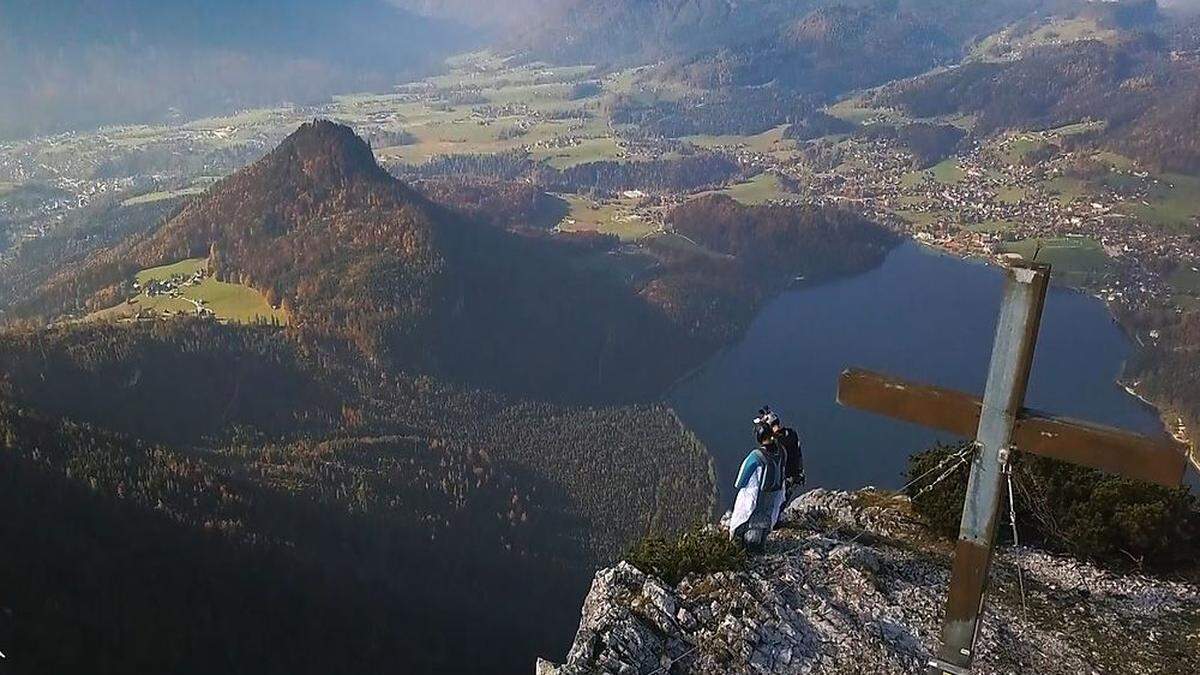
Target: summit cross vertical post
(1000, 424)
(1003, 398)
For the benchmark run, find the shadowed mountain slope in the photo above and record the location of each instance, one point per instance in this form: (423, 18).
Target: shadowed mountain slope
(353, 253)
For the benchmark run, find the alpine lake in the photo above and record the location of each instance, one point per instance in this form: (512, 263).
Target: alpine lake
(921, 315)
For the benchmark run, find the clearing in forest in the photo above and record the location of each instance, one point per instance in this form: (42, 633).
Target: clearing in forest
(621, 217)
(761, 189)
(185, 288)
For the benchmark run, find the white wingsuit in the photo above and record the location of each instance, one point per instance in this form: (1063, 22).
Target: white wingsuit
(760, 494)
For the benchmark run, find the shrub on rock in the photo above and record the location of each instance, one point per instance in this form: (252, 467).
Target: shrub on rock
(700, 550)
(1087, 513)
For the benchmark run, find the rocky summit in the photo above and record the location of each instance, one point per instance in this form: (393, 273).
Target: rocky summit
(851, 583)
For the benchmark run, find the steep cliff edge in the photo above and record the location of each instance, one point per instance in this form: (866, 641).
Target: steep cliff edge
(850, 583)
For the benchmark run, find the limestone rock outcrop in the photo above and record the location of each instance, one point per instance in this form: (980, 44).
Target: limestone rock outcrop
(850, 583)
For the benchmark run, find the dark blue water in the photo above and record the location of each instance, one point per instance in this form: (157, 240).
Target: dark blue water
(921, 315)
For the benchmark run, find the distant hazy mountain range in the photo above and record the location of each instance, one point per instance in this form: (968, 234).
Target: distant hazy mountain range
(71, 63)
(75, 64)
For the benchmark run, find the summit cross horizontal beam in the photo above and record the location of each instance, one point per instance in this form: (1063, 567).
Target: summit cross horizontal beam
(1154, 460)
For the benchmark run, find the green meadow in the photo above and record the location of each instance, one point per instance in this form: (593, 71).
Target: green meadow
(234, 303)
(616, 216)
(761, 189)
(1074, 260)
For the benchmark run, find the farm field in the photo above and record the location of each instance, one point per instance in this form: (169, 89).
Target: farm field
(761, 189)
(619, 217)
(1074, 259)
(1055, 31)
(1172, 203)
(994, 226)
(484, 105)
(946, 172)
(234, 303)
(1066, 189)
(1186, 280)
(768, 141)
(158, 196)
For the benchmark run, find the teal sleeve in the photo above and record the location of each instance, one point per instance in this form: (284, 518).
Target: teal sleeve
(749, 464)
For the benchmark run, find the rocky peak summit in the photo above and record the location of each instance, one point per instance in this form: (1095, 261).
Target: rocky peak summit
(851, 584)
(328, 151)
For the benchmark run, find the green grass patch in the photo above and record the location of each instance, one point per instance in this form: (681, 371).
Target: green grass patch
(1019, 146)
(183, 268)
(235, 302)
(948, 171)
(761, 189)
(1115, 161)
(1055, 31)
(993, 226)
(912, 179)
(1186, 279)
(1066, 189)
(1187, 303)
(588, 150)
(228, 302)
(1074, 260)
(922, 216)
(533, 89)
(1172, 204)
(1011, 195)
(1059, 31)
(768, 141)
(616, 216)
(857, 111)
(1078, 128)
(945, 172)
(151, 197)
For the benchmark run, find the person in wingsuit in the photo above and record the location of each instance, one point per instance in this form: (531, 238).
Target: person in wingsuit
(761, 491)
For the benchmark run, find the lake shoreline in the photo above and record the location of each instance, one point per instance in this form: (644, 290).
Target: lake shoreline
(1178, 429)
(908, 294)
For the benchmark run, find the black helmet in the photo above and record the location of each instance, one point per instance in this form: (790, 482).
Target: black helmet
(763, 433)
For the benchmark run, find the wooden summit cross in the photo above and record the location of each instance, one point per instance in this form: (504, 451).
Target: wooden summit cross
(999, 424)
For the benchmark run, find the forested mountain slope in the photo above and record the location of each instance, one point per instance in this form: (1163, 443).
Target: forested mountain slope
(319, 227)
(1147, 95)
(723, 67)
(412, 446)
(641, 31)
(241, 461)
